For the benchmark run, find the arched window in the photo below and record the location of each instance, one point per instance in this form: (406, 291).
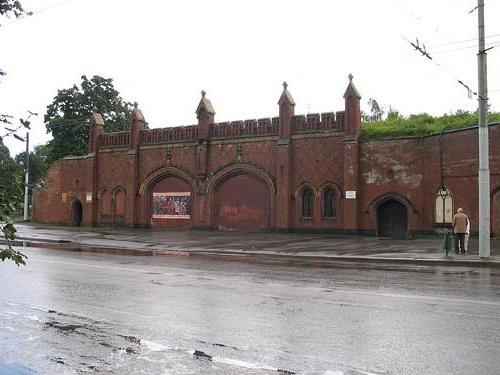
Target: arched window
(444, 206)
(329, 209)
(119, 207)
(105, 207)
(307, 203)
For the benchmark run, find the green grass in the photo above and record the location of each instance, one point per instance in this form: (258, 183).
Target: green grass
(421, 124)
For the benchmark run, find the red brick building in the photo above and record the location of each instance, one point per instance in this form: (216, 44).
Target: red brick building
(291, 172)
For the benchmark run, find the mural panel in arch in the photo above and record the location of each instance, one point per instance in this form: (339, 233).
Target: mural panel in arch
(176, 205)
(243, 204)
(171, 202)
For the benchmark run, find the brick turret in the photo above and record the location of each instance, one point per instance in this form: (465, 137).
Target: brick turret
(287, 110)
(352, 111)
(284, 167)
(206, 114)
(138, 124)
(351, 157)
(96, 124)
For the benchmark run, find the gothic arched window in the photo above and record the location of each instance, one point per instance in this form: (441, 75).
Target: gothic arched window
(444, 206)
(307, 203)
(329, 209)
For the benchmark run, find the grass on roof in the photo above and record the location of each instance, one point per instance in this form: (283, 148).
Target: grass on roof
(421, 124)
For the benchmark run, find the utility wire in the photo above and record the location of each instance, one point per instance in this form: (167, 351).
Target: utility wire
(416, 45)
(496, 43)
(462, 41)
(32, 13)
(49, 7)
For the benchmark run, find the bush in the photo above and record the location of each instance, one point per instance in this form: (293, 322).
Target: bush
(421, 124)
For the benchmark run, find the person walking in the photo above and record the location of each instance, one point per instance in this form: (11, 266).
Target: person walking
(466, 237)
(460, 221)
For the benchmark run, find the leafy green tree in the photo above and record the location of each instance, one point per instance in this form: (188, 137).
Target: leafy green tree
(392, 114)
(376, 110)
(10, 197)
(10, 173)
(38, 162)
(37, 166)
(67, 116)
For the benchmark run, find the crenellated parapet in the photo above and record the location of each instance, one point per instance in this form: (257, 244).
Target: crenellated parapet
(283, 126)
(318, 122)
(116, 139)
(169, 135)
(255, 128)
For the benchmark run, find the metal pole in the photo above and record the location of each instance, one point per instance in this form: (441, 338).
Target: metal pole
(484, 169)
(26, 176)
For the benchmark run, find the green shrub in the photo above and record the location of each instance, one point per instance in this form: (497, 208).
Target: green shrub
(421, 124)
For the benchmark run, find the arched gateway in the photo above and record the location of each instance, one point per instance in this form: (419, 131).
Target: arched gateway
(243, 203)
(170, 203)
(76, 213)
(392, 219)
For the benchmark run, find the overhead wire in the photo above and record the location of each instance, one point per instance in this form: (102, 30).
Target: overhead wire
(422, 49)
(496, 43)
(37, 11)
(461, 41)
(424, 53)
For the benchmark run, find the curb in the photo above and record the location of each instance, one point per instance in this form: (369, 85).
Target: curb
(290, 259)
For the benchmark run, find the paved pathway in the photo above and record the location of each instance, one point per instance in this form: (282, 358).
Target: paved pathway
(285, 245)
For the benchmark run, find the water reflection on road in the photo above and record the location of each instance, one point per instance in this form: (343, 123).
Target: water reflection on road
(69, 313)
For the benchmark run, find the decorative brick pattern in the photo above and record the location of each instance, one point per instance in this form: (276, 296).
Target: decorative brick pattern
(218, 163)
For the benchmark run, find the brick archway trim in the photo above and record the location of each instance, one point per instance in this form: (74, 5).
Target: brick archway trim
(161, 173)
(391, 196)
(150, 180)
(306, 184)
(372, 208)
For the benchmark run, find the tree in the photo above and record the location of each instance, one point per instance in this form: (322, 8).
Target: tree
(67, 116)
(10, 174)
(10, 197)
(392, 114)
(38, 162)
(37, 167)
(376, 110)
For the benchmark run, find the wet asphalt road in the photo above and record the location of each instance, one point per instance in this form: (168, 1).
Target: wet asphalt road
(68, 313)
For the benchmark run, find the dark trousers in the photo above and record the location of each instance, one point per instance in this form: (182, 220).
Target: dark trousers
(459, 241)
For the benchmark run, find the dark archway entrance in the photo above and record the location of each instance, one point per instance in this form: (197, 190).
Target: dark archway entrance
(77, 213)
(392, 219)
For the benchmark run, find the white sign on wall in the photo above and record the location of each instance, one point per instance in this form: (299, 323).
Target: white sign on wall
(88, 197)
(350, 194)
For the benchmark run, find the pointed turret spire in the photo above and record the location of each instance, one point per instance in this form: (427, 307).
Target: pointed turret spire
(287, 110)
(96, 124)
(138, 124)
(286, 97)
(205, 105)
(352, 119)
(96, 118)
(205, 113)
(351, 90)
(137, 113)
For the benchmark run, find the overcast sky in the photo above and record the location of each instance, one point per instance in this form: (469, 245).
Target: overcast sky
(163, 53)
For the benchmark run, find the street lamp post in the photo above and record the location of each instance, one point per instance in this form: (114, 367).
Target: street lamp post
(484, 169)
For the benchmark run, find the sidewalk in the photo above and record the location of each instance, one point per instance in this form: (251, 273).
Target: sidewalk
(300, 247)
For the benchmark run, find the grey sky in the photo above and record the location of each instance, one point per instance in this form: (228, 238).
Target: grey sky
(163, 53)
